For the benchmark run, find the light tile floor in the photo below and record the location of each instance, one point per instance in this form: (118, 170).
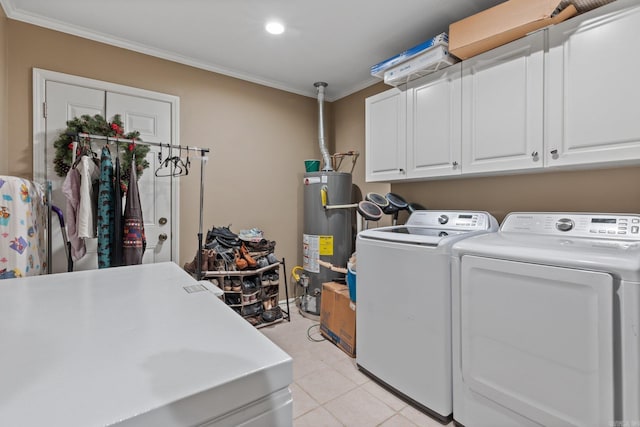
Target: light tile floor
(329, 390)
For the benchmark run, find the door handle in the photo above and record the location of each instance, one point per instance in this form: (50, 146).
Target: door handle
(162, 237)
(162, 221)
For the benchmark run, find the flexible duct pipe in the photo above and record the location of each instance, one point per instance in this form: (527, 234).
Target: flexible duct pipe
(323, 146)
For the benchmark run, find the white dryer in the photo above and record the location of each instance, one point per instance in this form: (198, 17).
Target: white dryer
(546, 322)
(403, 318)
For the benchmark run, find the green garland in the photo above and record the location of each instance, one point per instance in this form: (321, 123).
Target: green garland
(97, 125)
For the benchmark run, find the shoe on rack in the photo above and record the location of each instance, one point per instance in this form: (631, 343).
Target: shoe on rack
(251, 235)
(221, 232)
(274, 279)
(265, 281)
(218, 264)
(278, 311)
(262, 245)
(253, 309)
(233, 299)
(248, 286)
(272, 259)
(254, 320)
(236, 285)
(262, 262)
(226, 284)
(272, 314)
(211, 259)
(241, 263)
(245, 254)
(224, 236)
(212, 244)
(192, 266)
(229, 242)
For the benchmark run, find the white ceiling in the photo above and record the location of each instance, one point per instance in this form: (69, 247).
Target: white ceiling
(335, 41)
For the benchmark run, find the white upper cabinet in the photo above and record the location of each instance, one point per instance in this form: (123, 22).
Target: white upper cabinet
(433, 124)
(502, 107)
(563, 97)
(385, 136)
(593, 88)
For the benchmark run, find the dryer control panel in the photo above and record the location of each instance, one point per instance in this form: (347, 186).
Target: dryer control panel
(608, 226)
(450, 220)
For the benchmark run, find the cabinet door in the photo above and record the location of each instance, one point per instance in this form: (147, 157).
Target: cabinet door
(433, 124)
(502, 116)
(385, 135)
(593, 90)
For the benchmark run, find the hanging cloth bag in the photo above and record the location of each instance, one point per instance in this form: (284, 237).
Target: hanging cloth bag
(134, 241)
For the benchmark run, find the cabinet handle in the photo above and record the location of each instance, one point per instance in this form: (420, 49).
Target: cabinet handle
(554, 152)
(454, 163)
(534, 154)
(401, 170)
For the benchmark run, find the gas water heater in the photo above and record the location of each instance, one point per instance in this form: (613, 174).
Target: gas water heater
(327, 233)
(327, 229)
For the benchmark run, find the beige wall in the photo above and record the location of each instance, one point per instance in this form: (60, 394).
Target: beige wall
(4, 142)
(258, 136)
(599, 190)
(596, 190)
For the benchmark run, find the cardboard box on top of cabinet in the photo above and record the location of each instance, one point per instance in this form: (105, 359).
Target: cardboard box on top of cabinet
(338, 317)
(503, 23)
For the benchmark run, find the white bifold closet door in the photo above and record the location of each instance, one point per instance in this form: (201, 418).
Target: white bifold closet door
(152, 118)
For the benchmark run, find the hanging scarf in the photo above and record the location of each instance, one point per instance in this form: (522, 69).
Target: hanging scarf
(116, 243)
(71, 190)
(134, 241)
(106, 225)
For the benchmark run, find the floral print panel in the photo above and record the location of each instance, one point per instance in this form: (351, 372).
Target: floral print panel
(22, 228)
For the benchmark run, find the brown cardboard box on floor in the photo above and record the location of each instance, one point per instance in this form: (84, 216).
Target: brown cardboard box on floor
(338, 317)
(503, 23)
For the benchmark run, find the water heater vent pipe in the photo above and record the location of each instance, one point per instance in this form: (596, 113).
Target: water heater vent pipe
(321, 140)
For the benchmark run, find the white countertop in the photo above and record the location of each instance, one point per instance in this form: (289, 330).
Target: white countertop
(128, 345)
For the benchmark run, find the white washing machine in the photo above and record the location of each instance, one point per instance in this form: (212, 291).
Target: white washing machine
(403, 318)
(546, 322)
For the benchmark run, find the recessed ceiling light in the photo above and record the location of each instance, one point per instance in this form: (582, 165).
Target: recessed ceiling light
(274, 27)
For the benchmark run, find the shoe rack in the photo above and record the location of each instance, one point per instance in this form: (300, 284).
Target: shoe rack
(252, 301)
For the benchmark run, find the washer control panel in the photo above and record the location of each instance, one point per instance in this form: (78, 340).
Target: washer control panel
(612, 226)
(460, 220)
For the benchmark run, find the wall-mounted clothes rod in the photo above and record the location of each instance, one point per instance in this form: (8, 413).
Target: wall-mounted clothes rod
(203, 161)
(157, 144)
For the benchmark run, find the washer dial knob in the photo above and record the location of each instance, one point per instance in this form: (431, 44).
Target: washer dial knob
(443, 219)
(564, 224)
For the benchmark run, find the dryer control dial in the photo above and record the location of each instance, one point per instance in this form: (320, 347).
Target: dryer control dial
(443, 219)
(564, 224)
